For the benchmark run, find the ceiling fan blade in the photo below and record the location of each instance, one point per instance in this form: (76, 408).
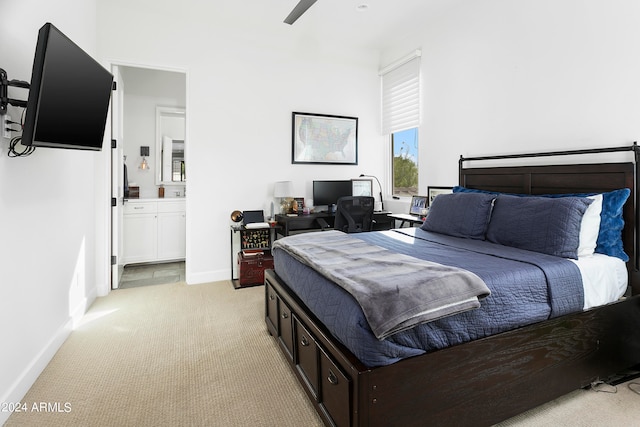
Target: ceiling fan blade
(297, 11)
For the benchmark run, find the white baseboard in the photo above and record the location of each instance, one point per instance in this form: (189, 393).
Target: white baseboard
(81, 308)
(25, 380)
(32, 371)
(208, 276)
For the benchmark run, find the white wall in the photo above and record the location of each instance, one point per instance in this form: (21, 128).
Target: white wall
(51, 214)
(242, 88)
(503, 76)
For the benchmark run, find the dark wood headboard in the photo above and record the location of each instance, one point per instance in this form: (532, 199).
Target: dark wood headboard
(569, 178)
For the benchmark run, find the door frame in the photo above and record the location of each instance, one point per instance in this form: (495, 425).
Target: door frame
(115, 175)
(117, 178)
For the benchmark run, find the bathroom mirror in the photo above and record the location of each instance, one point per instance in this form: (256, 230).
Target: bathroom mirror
(170, 146)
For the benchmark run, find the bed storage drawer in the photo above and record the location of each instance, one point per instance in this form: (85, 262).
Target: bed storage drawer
(271, 309)
(306, 356)
(279, 320)
(286, 328)
(324, 378)
(335, 391)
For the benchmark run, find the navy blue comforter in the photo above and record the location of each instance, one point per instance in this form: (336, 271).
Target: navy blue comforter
(526, 287)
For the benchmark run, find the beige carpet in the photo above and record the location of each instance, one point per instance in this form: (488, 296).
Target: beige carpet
(178, 355)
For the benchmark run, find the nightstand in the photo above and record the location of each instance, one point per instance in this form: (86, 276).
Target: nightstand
(253, 254)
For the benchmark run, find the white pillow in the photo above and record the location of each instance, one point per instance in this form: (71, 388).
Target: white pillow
(590, 227)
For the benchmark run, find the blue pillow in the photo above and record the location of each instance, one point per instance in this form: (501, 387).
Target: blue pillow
(461, 189)
(611, 222)
(540, 224)
(460, 215)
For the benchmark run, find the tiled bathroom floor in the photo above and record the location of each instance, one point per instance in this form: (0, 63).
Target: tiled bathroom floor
(152, 274)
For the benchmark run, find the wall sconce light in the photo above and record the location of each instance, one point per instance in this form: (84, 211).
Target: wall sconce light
(144, 152)
(283, 190)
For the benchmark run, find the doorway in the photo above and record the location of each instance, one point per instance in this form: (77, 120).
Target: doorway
(138, 275)
(140, 92)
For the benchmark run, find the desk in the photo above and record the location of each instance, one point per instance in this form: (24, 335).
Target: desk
(303, 223)
(411, 219)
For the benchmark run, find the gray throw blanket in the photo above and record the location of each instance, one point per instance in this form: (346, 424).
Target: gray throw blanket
(395, 291)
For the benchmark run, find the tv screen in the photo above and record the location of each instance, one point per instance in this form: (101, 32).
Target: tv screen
(328, 192)
(68, 97)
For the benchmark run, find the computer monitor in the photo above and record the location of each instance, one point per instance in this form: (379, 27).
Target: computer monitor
(418, 203)
(327, 193)
(361, 187)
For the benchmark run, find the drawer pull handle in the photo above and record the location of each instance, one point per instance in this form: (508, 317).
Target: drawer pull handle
(304, 341)
(285, 315)
(332, 378)
(272, 297)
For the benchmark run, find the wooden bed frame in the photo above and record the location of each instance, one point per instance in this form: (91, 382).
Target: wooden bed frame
(491, 379)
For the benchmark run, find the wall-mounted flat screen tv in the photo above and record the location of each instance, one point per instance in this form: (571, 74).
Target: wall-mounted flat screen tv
(68, 97)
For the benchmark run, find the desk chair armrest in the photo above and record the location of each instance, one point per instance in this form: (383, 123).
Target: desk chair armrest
(323, 224)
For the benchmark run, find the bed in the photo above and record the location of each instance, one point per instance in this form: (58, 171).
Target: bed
(485, 377)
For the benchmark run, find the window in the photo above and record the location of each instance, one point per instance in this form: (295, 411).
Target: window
(404, 150)
(400, 119)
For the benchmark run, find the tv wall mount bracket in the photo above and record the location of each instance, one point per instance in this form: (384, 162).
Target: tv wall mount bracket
(4, 92)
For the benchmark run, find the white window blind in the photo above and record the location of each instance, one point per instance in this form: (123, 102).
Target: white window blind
(401, 94)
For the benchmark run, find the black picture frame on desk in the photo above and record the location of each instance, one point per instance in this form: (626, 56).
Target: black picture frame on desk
(324, 139)
(297, 206)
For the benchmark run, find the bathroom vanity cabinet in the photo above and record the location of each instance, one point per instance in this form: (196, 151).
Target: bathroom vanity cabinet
(154, 230)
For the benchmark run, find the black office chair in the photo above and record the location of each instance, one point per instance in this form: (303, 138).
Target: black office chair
(354, 214)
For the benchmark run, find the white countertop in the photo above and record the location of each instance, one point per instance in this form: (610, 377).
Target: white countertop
(157, 199)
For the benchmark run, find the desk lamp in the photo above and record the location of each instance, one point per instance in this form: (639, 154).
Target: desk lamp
(379, 185)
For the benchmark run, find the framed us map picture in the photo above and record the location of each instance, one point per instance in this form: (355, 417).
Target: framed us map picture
(324, 139)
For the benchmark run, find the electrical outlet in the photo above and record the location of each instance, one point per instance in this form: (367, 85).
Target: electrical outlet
(6, 119)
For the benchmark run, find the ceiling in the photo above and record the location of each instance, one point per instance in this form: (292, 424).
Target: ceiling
(342, 21)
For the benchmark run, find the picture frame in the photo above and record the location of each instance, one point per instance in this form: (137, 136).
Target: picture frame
(362, 187)
(324, 139)
(297, 205)
(432, 192)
